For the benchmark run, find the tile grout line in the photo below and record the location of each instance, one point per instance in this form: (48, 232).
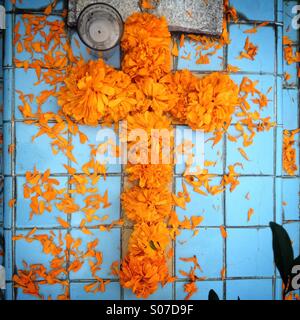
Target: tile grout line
(13, 163)
(225, 52)
(275, 113)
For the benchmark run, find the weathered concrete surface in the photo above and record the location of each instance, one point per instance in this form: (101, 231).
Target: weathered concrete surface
(193, 16)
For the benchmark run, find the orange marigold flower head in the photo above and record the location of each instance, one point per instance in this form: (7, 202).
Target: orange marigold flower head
(212, 106)
(147, 29)
(149, 239)
(93, 91)
(147, 62)
(156, 96)
(181, 84)
(147, 205)
(146, 44)
(143, 274)
(150, 175)
(148, 121)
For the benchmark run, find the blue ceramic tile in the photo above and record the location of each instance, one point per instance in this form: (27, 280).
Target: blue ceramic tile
(290, 195)
(278, 200)
(261, 199)
(25, 81)
(9, 291)
(47, 219)
(279, 50)
(265, 82)
(36, 153)
(2, 248)
(208, 241)
(203, 290)
(288, 17)
(7, 157)
(111, 57)
(8, 94)
(210, 207)
(1, 102)
(279, 101)
(265, 40)
(1, 211)
(109, 245)
(293, 229)
(8, 195)
(278, 289)
(260, 162)
(38, 4)
(8, 264)
(82, 151)
(32, 253)
(280, 10)
(24, 55)
(214, 154)
(162, 293)
(8, 5)
(113, 186)
(8, 45)
(249, 253)
(279, 142)
(250, 289)
(46, 291)
(1, 148)
(290, 109)
(1, 54)
(112, 292)
(189, 48)
(255, 9)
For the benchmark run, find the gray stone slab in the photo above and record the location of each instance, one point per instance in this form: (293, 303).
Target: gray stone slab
(192, 16)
